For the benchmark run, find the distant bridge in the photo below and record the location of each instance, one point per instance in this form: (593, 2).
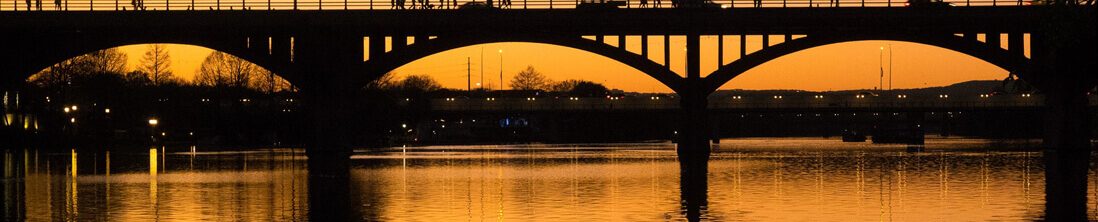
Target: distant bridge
(756, 103)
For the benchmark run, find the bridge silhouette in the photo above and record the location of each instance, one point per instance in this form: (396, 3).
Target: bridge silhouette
(331, 54)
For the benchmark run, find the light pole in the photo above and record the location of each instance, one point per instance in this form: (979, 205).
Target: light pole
(880, 63)
(152, 128)
(501, 70)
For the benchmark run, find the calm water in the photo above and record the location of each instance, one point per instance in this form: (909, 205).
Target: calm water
(749, 179)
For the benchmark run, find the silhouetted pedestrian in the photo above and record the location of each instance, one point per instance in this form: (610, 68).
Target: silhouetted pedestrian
(759, 3)
(657, 3)
(28, 5)
(57, 4)
(507, 3)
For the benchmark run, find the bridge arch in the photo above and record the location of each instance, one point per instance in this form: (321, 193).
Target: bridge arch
(1010, 61)
(400, 57)
(43, 57)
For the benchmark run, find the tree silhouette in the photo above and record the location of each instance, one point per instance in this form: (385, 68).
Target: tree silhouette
(579, 88)
(157, 64)
(107, 61)
(418, 83)
(220, 69)
(529, 79)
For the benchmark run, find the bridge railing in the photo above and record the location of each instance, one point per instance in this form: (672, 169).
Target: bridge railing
(178, 5)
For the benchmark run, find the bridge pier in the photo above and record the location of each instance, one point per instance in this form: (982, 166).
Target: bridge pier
(693, 142)
(1065, 68)
(329, 62)
(693, 152)
(1067, 155)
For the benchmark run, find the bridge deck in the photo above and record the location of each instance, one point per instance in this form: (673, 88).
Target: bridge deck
(750, 21)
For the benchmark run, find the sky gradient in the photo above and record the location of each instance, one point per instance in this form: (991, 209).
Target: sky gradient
(843, 66)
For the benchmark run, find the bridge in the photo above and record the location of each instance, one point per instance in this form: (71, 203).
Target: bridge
(775, 103)
(331, 54)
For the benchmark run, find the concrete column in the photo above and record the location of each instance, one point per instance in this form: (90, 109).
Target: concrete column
(693, 151)
(693, 141)
(1067, 155)
(327, 62)
(1064, 73)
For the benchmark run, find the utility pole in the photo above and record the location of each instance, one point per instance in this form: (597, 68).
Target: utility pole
(880, 64)
(501, 70)
(889, 66)
(482, 67)
(468, 74)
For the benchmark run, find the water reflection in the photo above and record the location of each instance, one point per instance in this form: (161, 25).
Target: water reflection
(635, 182)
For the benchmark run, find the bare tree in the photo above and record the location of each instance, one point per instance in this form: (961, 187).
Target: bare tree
(385, 81)
(529, 79)
(220, 69)
(157, 63)
(107, 61)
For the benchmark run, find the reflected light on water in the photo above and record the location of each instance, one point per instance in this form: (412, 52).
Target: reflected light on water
(585, 182)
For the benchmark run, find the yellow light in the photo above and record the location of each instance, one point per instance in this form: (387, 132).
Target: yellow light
(72, 120)
(67, 110)
(108, 110)
(153, 122)
(73, 107)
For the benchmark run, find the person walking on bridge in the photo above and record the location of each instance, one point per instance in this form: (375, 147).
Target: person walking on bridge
(644, 4)
(28, 5)
(57, 5)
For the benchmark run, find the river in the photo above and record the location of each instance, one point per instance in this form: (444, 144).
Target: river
(750, 179)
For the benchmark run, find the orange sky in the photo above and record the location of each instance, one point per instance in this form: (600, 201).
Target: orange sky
(852, 65)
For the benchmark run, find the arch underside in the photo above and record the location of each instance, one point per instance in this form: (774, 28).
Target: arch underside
(1010, 61)
(42, 53)
(399, 57)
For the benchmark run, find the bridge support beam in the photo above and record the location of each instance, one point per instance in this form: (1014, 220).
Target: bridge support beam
(329, 61)
(693, 140)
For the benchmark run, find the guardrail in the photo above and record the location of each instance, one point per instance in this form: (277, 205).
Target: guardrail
(180, 5)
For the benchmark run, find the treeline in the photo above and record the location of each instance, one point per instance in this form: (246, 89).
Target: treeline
(98, 98)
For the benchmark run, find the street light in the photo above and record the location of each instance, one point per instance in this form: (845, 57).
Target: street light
(501, 69)
(153, 122)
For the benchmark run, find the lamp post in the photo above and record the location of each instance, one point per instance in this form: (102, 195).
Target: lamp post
(880, 66)
(152, 128)
(501, 70)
